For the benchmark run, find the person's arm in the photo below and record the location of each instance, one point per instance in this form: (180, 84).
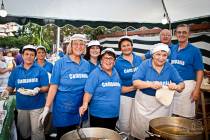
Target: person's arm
(126, 89)
(178, 87)
(44, 89)
(196, 92)
(5, 93)
(51, 95)
(86, 99)
(9, 89)
(139, 84)
(4, 70)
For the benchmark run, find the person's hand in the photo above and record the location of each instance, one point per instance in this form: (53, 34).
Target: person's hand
(156, 85)
(30, 92)
(195, 95)
(5, 94)
(35, 91)
(173, 86)
(82, 109)
(43, 116)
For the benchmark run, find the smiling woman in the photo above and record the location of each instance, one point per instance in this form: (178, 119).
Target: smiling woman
(102, 92)
(67, 87)
(152, 74)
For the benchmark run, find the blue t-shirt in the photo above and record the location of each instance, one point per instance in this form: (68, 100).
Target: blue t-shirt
(148, 54)
(105, 91)
(146, 72)
(47, 66)
(70, 78)
(93, 66)
(126, 70)
(187, 61)
(34, 77)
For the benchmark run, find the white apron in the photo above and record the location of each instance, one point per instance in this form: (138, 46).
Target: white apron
(182, 104)
(145, 108)
(126, 104)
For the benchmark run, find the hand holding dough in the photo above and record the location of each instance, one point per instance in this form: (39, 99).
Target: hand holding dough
(164, 95)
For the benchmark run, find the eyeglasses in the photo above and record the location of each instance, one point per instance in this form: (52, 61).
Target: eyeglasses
(108, 58)
(182, 32)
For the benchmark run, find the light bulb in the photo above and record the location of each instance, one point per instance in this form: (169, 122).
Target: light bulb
(164, 20)
(3, 13)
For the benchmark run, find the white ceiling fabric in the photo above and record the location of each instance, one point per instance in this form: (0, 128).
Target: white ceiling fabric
(149, 11)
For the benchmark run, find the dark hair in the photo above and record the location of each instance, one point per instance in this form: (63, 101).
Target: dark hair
(124, 39)
(109, 53)
(87, 54)
(29, 50)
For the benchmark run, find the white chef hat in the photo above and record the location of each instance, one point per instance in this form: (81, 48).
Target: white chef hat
(94, 43)
(108, 50)
(79, 37)
(160, 47)
(40, 47)
(30, 47)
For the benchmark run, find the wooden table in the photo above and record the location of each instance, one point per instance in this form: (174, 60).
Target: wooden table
(204, 89)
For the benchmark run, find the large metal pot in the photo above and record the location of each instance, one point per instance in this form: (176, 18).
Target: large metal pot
(176, 128)
(92, 133)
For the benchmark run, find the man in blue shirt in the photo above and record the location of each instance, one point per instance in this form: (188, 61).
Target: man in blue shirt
(31, 82)
(187, 59)
(165, 37)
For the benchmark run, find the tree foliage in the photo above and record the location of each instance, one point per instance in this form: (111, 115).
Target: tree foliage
(46, 35)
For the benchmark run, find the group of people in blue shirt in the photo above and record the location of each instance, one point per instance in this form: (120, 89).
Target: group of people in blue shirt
(111, 90)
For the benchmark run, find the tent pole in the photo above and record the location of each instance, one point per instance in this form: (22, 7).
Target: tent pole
(58, 38)
(166, 13)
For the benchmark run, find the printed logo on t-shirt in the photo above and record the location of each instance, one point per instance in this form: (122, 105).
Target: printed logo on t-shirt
(110, 84)
(179, 62)
(164, 83)
(131, 70)
(78, 76)
(30, 80)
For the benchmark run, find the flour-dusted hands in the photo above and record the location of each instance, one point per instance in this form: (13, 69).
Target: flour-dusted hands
(30, 92)
(5, 94)
(43, 116)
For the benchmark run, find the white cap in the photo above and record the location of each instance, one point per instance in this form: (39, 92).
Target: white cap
(160, 47)
(40, 47)
(125, 37)
(29, 47)
(94, 43)
(108, 50)
(79, 37)
(67, 39)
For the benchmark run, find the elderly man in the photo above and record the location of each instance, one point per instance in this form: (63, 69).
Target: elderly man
(187, 59)
(165, 37)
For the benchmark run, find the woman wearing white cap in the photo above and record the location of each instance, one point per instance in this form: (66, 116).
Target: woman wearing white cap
(92, 53)
(31, 82)
(67, 87)
(102, 92)
(126, 65)
(41, 61)
(153, 74)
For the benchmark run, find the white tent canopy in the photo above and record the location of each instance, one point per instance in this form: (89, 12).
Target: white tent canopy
(149, 11)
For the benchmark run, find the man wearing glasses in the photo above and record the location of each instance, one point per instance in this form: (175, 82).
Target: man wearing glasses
(187, 59)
